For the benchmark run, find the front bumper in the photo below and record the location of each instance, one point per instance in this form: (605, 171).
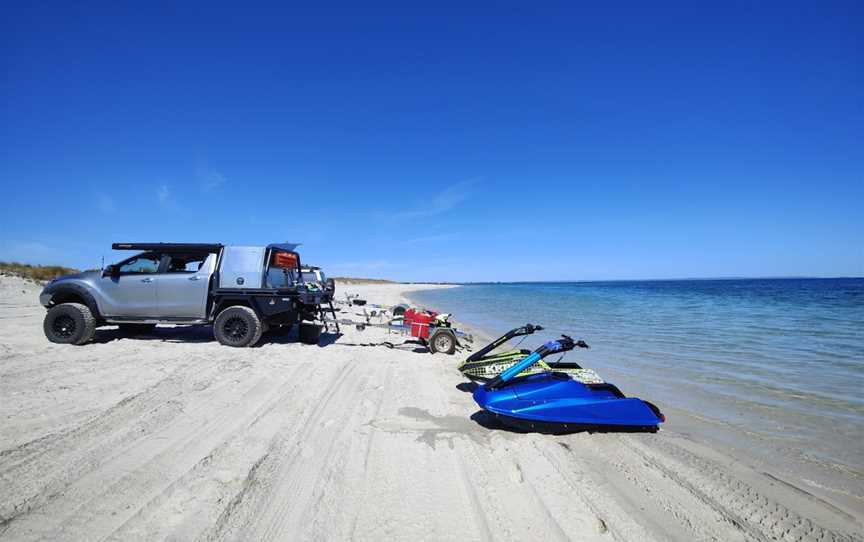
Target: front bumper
(45, 299)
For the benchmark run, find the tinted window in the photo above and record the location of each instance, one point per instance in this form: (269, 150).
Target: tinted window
(185, 263)
(144, 263)
(279, 278)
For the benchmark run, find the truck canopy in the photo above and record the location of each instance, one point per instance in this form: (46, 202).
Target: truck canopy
(242, 267)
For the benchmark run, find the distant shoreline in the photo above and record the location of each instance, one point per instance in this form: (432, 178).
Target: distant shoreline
(605, 281)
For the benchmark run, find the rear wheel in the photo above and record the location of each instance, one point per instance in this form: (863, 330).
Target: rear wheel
(310, 333)
(69, 323)
(238, 326)
(443, 341)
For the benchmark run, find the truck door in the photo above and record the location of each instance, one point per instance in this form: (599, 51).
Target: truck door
(183, 287)
(131, 292)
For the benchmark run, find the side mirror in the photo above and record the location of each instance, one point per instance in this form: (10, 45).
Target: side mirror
(111, 271)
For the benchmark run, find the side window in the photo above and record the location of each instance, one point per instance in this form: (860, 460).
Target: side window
(141, 264)
(186, 263)
(279, 278)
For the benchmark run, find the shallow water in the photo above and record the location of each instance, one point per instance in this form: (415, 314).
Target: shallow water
(779, 358)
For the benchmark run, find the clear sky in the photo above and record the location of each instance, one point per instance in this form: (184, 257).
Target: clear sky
(529, 141)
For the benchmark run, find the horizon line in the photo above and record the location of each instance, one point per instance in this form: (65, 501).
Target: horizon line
(562, 281)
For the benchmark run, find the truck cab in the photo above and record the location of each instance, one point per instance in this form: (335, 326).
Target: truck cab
(182, 283)
(162, 285)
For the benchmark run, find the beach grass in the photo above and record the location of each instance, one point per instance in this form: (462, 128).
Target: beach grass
(37, 273)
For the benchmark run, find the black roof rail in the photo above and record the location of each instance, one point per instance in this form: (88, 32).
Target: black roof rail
(169, 247)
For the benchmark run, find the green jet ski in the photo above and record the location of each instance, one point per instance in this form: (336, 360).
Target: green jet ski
(483, 365)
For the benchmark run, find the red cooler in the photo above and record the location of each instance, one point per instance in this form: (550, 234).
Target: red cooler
(419, 322)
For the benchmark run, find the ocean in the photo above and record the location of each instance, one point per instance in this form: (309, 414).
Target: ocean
(780, 360)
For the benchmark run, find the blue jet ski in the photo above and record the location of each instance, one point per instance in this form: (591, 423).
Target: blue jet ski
(553, 402)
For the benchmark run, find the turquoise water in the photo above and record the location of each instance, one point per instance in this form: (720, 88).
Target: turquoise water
(782, 359)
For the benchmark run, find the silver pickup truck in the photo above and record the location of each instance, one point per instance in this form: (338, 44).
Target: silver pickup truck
(242, 291)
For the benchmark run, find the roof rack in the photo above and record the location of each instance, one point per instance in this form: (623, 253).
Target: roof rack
(169, 247)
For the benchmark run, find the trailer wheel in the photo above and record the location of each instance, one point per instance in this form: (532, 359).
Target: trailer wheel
(238, 326)
(443, 341)
(69, 323)
(310, 333)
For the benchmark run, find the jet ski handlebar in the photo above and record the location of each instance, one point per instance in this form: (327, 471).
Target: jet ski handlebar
(564, 344)
(527, 329)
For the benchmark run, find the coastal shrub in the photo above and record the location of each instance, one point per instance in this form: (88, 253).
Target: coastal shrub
(39, 273)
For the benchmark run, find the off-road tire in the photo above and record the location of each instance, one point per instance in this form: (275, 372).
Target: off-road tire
(136, 329)
(69, 323)
(443, 341)
(398, 310)
(238, 326)
(309, 333)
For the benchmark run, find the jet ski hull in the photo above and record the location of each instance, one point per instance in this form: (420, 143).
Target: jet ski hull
(555, 403)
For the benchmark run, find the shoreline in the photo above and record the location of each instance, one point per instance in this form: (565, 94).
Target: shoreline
(171, 435)
(731, 446)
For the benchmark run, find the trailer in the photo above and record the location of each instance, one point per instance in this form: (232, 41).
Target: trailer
(431, 329)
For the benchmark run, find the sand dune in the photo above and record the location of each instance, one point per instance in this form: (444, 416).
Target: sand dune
(172, 436)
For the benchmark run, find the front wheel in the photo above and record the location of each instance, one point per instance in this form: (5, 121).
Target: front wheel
(238, 326)
(69, 323)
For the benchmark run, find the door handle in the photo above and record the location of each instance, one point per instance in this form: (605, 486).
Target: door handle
(194, 278)
(147, 280)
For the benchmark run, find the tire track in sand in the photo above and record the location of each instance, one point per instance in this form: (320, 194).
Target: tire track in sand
(131, 441)
(362, 490)
(586, 477)
(264, 501)
(219, 481)
(754, 514)
(298, 485)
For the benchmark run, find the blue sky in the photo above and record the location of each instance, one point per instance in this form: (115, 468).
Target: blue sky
(450, 142)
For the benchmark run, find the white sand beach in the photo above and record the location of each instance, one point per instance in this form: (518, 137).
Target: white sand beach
(173, 436)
